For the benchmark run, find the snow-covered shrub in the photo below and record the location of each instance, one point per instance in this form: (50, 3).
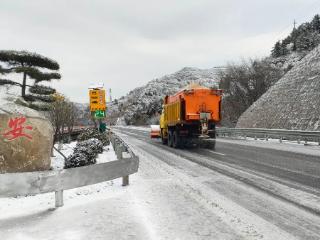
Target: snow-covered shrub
(95, 144)
(85, 153)
(78, 160)
(94, 133)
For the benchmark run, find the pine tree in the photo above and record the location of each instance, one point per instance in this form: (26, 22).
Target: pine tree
(302, 39)
(283, 47)
(31, 66)
(316, 23)
(276, 51)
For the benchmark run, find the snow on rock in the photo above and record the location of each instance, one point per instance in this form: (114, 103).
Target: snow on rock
(8, 97)
(292, 102)
(142, 105)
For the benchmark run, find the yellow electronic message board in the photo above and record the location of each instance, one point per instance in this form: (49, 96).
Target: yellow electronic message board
(97, 99)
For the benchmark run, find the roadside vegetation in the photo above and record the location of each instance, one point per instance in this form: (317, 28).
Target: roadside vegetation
(63, 115)
(244, 83)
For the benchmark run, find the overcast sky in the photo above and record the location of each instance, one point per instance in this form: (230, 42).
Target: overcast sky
(126, 43)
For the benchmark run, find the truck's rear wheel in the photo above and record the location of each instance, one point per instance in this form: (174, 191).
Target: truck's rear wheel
(170, 138)
(163, 139)
(176, 139)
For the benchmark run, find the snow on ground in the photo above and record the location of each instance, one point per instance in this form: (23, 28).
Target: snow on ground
(34, 218)
(141, 128)
(57, 162)
(107, 155)
(217, 190)
(309, 149)
(186, 178)
(163, 201)
(156, 205)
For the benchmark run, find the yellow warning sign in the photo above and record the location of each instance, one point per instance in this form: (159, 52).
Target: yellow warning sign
(97, 99)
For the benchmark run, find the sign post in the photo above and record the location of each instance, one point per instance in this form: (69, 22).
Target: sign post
(98, 104)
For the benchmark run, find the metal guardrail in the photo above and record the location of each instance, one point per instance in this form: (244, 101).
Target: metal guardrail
(31, 183)
(281, 134)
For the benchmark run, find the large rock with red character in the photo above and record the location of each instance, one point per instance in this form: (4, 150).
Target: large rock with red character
(26, 139)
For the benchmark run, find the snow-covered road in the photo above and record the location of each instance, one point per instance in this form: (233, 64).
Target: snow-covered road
(170, 197)
(271, 201)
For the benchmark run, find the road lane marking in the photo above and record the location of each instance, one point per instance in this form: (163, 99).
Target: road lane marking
(222, 154)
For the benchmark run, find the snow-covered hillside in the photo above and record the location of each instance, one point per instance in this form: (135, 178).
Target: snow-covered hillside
(143, 104)
(287, 62)
(292, 102)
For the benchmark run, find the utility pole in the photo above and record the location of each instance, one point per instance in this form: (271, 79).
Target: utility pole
(294, 35)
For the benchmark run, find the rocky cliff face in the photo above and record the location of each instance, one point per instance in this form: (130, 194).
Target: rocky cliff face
(142, 105)
(293, 102)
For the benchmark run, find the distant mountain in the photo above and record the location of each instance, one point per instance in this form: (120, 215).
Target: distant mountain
(143, 104)
(292, 102)
(83, 114)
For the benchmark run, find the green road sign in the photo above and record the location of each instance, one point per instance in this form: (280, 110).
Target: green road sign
(99, 114)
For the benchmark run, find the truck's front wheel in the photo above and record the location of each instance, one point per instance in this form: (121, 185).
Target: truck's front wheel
(176, 139)
(163, 139)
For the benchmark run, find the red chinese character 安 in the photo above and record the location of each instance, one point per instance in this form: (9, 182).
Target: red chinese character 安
(17, 127)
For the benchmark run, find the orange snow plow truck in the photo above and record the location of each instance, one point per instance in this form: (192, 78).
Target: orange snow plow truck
(190, 116)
